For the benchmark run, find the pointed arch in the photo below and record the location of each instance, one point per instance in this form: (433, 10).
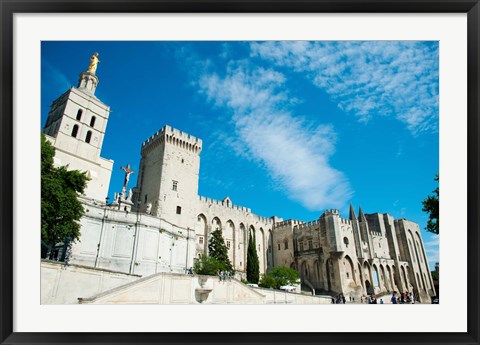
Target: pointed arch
(201, 234)
(386, 284)
(329, 270)
(270, 262)
(216, 224)
(241, 250)
(376, 278)
(349, 269)
(229, 237)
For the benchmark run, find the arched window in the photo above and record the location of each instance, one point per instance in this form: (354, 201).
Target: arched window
(75, 131)
(79, 114)
(92, 121)
(88, 136)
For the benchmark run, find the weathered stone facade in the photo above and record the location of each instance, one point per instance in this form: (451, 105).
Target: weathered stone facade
(170, 224)
(371, 254)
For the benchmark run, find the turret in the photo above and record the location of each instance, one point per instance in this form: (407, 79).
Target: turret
(356, 232)
(352, 215)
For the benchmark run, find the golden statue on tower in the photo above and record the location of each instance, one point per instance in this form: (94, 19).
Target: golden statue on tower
(94, 61)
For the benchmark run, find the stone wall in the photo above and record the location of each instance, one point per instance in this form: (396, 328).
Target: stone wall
(235, 222)
(62, 284)
(132, 243)
(167, 288)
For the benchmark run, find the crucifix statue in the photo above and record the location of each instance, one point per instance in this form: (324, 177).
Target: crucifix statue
(128, 172)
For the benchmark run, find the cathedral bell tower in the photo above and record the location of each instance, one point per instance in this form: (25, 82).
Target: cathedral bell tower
(76, 126)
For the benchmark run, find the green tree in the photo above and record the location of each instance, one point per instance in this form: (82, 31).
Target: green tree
(253, 270)
(430, 206)
(218, 250)
(207, 265)
(280, 276)
(60, 208)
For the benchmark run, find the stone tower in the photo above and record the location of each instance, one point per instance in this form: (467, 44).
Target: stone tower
(167, 185)
(76, 127)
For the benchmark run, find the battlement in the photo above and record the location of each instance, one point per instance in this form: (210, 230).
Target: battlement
(245, 210)
(220, 203)
(332, 211)
(175, 137)
(307, 224)
(288, 222)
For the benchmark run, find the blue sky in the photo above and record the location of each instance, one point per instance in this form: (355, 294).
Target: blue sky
(289, 128)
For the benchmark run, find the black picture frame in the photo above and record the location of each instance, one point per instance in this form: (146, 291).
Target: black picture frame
(10, 7)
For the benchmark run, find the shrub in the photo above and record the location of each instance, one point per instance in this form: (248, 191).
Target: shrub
(207, 265)
(279, 276)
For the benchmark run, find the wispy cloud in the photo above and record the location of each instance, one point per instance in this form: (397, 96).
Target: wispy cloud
(394, 78)
(55, 79)
(294, 152)
(432, 249)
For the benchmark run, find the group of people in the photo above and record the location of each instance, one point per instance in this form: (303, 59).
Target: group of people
(224, 276)
(373, 300)
(404, 298)
(340, 299)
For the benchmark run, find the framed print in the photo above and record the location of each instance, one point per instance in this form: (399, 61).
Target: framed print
(253, 171)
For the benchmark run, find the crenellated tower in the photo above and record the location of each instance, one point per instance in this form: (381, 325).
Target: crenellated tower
(167, 185)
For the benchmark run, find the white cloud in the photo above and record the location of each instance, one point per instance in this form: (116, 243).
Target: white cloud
(394, 78)
(294, 152)
(432, 250)
(56, 79)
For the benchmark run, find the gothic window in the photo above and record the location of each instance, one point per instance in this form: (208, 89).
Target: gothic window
(79, 114)
(285, 244)
(179, 210)
(228, 244)
(92, 121)
(310, 244)
(345, 240)
(75, 131)
(174, 186)
(88, 137)
(279, 246)
(301, 246)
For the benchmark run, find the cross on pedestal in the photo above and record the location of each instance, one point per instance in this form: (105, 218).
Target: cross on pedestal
(128, 172)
